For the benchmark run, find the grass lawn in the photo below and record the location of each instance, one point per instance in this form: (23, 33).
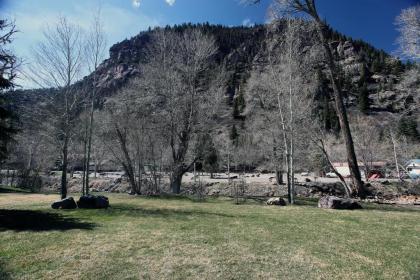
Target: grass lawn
(158, 238)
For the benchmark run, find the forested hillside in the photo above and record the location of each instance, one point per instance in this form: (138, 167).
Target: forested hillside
(380, 92)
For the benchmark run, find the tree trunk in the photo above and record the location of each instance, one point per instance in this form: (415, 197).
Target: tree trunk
(288, 182)
(279, 177)
(131, 178)
(84, 158)
(195, 173)
(64, 169)
(228, 165)
(394, 147)
(176, 179)
(89, 141)
(347, 190)
(292, 175)
(341, 111)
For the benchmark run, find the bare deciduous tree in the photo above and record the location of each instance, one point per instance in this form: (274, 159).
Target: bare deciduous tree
(408, 24)
(95, 53)
(180, 78)
(283, 90)
(57, 63)
(308, 8)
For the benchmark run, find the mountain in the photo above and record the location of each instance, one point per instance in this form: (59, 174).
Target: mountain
(369, 77)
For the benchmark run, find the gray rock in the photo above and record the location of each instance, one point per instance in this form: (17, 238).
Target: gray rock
(93, 202)
(67, 203)
(333, 202)
(276, 201)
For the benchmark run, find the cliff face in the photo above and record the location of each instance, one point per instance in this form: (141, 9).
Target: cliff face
(240, 47)
(237, 49)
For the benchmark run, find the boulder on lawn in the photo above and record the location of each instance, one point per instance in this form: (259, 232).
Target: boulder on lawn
(333, 202)
(276, 201)
(93, 202)
(67, 203)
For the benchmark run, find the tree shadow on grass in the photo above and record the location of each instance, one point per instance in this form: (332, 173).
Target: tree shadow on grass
(367, 206)
(27, 220)
(128, 210)
(4, 275)
(176, 197)
(390, 207)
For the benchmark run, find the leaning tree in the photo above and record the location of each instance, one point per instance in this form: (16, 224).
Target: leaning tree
(309, 9)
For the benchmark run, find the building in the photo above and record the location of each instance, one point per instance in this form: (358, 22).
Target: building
(413, 168)
(376, 169)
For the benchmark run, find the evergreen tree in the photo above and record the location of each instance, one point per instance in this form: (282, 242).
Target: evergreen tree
(7, 74)
(210, 160)
(376, 65)
(363, 77)
(206, 154)
(397, 68)
(325, 110)
(238, 105)
(363, 99)
(408, 127)
(234, 135)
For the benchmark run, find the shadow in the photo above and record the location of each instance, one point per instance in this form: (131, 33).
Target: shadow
(26, 220)
(4, 275)
(127, 210)
(367, 206)
(170, 196)
(4, 189)
(312, 202)
(390, 208)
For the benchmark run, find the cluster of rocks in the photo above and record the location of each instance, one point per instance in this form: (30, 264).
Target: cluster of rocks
(316, 190)
(118, 185)
(84, 202)
(326, 202)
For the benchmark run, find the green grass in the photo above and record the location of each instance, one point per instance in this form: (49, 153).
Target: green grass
(9, 189)
(168, 238)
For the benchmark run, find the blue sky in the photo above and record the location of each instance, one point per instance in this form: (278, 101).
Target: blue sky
(370, 20)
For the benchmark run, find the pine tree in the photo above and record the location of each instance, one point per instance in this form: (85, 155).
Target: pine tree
(234, 135)
(7, 75)
(376, 65)
(363, 99)
(238, 105)
(210, 160)
(408, 127)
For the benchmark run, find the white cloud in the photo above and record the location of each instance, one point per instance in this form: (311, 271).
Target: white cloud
(136, 3)
(247, 22)
(170, 2)
(119, 23)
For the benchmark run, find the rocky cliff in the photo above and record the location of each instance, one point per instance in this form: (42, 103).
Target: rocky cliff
(366, 70)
